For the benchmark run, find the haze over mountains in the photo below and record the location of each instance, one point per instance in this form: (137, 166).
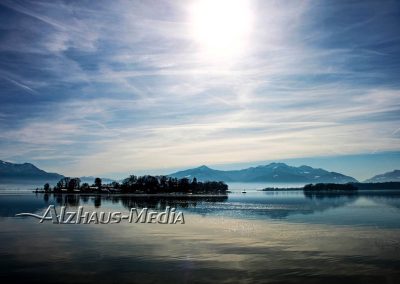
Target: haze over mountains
(10, 172)
(274, 172)
(386, 177)
(25, 171)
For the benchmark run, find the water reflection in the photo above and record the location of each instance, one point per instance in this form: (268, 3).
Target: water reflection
(247, 206)
(257, 205)
(355, 208)
(283, 204)
(204, 250)
(324, 194)
(209, 248)
(135, 201)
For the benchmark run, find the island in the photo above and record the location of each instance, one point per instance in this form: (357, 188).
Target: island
(340, 187)
(138, 185)
(331, 187)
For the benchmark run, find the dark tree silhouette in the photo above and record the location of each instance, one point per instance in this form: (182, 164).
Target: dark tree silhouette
(73, 184)
(46, 187)
(85, 187)
(97, 183)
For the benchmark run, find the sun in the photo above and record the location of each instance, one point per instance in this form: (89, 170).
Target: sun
(221, 28)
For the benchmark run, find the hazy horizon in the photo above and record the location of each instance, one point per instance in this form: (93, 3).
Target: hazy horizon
(351, 165)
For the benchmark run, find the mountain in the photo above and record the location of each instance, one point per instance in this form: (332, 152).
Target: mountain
(386, 177)
(203, 173)
(25, 171)
(274, 172)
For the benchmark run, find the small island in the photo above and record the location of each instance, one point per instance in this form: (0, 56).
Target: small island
(138, 185)
(338, 187)
(330, 190)
(331, 187)
(318, 187)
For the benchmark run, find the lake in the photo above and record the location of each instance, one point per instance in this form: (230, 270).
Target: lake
(257, 237)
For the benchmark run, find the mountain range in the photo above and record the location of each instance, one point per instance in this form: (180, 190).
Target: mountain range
(386, 177)
(25, 171)
(10, 172)
(274, 172)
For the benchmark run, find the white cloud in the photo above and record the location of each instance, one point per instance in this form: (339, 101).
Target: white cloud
(152, 100)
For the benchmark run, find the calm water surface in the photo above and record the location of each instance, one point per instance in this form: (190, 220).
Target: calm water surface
(257, 237)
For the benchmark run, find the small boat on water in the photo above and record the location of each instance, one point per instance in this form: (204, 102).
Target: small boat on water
(243, 191)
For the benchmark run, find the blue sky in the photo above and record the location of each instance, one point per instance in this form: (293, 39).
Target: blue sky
(115, 87)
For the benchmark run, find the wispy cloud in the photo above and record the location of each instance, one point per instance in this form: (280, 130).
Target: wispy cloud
(122, 85)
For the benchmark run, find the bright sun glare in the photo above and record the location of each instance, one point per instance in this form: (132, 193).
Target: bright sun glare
(221, 28)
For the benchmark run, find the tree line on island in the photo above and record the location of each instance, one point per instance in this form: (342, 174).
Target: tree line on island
(330, 187)
(143, 184)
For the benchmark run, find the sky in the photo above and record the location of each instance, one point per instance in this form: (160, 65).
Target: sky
(116, 87)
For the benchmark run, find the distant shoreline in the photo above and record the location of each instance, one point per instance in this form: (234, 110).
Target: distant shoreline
(342, 187)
